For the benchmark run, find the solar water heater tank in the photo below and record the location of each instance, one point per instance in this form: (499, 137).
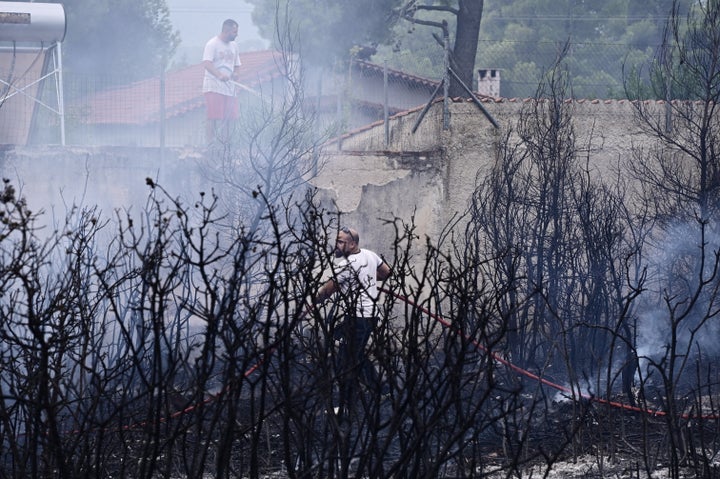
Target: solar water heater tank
(32, 22)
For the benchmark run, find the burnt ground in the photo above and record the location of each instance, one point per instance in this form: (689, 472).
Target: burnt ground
(546, 435)
(589, 440)
(554, 438)
(598, 440)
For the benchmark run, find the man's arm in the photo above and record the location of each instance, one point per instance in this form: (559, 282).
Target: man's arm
(325, 291)
(383, 272)
(214, 71)
(207, 59)
(236, 67)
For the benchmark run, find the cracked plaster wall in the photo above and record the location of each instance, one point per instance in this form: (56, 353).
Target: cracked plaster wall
(428, 175)
(432, 173)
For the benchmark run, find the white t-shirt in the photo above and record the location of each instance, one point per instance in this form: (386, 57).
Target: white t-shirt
(357, 280)
(225, 57)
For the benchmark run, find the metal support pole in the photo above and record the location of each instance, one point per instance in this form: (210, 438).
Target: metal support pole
(162, 108)
(446, 78)
(60, 91)
(475, 99)
(427, 106)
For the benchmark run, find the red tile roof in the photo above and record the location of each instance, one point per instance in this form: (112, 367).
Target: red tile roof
(397, 74)
(139, 102)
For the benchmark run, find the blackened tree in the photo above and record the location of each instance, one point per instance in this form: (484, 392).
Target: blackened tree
(677, 179)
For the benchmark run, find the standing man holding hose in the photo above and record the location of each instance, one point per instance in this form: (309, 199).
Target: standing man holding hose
(221, 60)
(355, 278)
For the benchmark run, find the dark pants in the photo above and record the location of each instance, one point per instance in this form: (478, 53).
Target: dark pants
(353, 364)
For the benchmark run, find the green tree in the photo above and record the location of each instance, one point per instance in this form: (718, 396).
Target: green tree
(465, 15)
(125, 40)
(517, 37)
(326, 30)
(522, 38)
(329, 31)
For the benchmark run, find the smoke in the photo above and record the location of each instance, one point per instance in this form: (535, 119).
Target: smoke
(571, 393)
(681, 296)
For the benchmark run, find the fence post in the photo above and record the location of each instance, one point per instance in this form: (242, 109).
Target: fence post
(446, 77)
(385, 104)
(162, 108)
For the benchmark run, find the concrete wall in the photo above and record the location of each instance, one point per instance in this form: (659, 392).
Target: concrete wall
(433, 172)
(429, 174)
(54, 178)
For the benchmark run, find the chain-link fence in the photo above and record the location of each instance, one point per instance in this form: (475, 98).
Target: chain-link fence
(168, 108)
(595, 70)
(165, 110)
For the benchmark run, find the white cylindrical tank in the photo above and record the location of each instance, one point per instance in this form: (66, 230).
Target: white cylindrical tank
(32, 22)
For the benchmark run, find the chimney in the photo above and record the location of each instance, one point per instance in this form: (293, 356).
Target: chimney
(489, 82)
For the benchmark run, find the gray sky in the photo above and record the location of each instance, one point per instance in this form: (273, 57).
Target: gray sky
(199, 21)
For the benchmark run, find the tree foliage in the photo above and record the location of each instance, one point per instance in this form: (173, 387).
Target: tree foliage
(465, 15)
(604, 37)
(326, 30)
(125, 40)
(331, 31)
(523, 39)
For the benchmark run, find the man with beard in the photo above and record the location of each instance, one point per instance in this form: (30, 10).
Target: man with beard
(355, 278)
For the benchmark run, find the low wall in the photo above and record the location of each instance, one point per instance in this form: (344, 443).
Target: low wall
(427, 175)
(54, 178)
(430, 173)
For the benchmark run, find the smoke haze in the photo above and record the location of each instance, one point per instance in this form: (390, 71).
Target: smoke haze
(198, 22)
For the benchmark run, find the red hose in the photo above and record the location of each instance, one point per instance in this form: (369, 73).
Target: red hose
(480, 347)
(524, 372)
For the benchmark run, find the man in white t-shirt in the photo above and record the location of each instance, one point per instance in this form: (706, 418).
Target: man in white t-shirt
(221, 60)
(355, 278)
